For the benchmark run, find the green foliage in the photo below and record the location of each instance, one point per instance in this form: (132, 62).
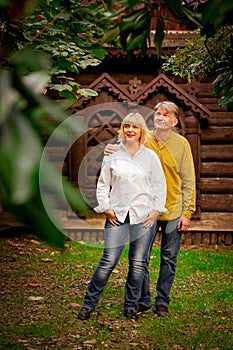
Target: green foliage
(23, 114)
(223, 84)
(204, 56)
(218, 12)
(68, 32)
(37, 50)
(159, 36)
(200, 57)
(133, 29)
(133, 23)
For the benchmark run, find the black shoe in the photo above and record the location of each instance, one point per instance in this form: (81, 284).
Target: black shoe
(130, 314)
(84, 314)
(161, 310)
(142, 308)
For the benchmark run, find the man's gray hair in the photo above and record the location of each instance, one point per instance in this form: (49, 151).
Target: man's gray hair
(169, 106)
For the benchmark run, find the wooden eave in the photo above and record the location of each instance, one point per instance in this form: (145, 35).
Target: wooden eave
(105, 81)
(172, 40)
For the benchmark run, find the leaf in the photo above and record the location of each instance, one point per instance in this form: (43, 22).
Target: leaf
(192, 17)
(217, 11)
(47, 260)
(226, 99)
(143, 19)
(35, 298)
(60, 187)
(32, 213)
(16, 156)
(230, 106)
(91, 341)
(111, 35)
(175, 6)
(36, 81)
(61, 87)
(6, 89)
(87, 92)
(74, 304)
(128, 22)
(33, 284)
(33, 241)
(159, 36)
(26, 61)
(100, 53)
(135, 39)
(22, 341)
(89, 62)
(68, 95)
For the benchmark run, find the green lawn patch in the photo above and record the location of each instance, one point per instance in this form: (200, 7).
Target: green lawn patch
(42, 289)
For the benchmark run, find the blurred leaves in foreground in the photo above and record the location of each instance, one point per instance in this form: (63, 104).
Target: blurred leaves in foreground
(26, 115)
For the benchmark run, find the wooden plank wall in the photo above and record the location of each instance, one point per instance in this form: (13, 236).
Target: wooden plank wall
(216, 180)
(216, 154)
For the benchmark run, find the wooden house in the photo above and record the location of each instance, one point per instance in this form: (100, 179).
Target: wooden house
(207, 126)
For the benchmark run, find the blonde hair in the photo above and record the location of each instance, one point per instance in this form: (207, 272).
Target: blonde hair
(138, 120)
(169, 106)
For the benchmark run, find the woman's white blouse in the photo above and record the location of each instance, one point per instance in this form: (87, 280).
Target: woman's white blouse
(131, 184)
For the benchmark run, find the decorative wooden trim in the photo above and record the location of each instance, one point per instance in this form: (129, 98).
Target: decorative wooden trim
(161, 81)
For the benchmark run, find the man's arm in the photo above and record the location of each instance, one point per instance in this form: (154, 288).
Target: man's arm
(188, 189)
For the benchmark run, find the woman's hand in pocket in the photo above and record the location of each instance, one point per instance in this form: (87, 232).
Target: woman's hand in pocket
(112, 217)
(149, 221)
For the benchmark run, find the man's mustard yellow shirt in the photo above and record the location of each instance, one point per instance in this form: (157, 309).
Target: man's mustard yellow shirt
(177, 162)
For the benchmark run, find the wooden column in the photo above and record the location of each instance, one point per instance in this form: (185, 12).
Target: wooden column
(193, 134)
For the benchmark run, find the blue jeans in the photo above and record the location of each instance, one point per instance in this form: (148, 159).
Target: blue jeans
(170, 245)
(115, 238)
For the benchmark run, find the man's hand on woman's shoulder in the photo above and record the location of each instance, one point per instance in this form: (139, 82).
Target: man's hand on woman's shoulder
(110, 149)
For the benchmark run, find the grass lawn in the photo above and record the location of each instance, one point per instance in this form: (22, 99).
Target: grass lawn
(42, 290)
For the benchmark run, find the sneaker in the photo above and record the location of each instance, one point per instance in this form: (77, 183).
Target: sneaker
(84, 314)
(130, 314)
(142, 308)
(161, 310)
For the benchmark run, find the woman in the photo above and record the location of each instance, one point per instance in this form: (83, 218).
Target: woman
(131, 191)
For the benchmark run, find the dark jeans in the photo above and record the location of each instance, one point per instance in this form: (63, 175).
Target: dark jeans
(115, 238)
(170, 245)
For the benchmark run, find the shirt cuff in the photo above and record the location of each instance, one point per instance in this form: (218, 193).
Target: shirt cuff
(102, 208)
(162, 210)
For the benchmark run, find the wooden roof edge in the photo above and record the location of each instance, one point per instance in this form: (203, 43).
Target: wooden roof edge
(112, 84)
(180, 94)
(105, 80)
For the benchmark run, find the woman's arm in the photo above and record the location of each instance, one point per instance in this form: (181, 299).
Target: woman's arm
(103, 193)
(103, 187)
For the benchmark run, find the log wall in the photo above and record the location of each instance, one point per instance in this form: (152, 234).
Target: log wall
(216, 156)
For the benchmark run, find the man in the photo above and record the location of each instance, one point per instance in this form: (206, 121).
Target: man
(176, 158)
